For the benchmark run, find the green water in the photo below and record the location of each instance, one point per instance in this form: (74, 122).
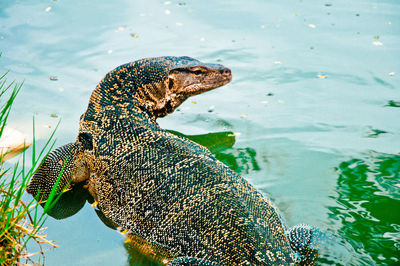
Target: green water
(315, 97)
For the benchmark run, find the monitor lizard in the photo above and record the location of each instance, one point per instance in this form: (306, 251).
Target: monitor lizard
(162, 187)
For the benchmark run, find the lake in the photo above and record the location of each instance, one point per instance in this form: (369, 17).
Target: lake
(314, 105)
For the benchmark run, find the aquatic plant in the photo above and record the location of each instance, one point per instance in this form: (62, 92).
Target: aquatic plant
(20, 221)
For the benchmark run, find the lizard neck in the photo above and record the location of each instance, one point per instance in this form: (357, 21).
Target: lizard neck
(129, 86)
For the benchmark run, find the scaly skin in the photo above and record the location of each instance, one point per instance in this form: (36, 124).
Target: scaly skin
(164, 188)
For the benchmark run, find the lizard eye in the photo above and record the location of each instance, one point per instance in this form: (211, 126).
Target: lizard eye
(198, 72)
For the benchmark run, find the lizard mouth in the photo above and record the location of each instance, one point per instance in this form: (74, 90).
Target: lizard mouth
(209, 84)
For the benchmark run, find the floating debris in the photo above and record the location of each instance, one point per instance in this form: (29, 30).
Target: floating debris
(376, 37)
(243, 116)
(392, 103)
(202, 39)
(94, 204)
(374, 133)
(277, 62)
(167, 11)
(182, 3)
(109, 51)
(270, 94)
(322, 76)
(134, 35)
(121, 29)
(48, 9)
(53, 115)
(53, 78)
(167, 2)
(12, 142)
(377, 43)
(312, 26)
(236, 134)
(328, 4)
(391, 74)
(194, 102)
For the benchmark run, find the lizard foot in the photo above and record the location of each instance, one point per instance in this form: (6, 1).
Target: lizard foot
(303, 240)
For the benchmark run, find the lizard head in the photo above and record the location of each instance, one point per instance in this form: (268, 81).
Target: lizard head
(158, 84)
(188, 77)
(64, 164)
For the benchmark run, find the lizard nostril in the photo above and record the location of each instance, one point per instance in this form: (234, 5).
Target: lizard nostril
(225, 71)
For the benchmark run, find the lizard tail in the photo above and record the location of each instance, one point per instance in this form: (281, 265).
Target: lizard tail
(57, 165)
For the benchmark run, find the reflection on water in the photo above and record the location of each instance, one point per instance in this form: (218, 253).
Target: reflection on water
(215, 142)
(369, 207)
(374, 132)
(240, 160)
(70, 203)
(142, 252)
(392, 103)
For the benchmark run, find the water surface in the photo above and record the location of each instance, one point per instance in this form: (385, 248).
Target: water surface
(315, 98)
